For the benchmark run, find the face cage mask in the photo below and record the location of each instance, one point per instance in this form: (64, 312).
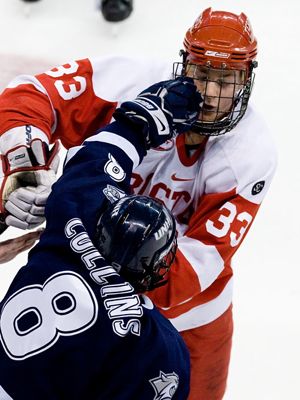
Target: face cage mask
(157, 272)
(221, 124)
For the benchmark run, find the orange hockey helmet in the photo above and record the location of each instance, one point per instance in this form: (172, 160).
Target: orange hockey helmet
(221, 41)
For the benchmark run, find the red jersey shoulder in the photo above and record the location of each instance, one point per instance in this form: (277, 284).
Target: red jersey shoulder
(78, 111)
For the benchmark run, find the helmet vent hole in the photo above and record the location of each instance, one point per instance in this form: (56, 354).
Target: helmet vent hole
(238, 56)
(221, 43)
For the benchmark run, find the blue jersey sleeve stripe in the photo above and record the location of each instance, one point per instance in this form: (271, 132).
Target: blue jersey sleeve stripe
(119, 141)
(71, 153)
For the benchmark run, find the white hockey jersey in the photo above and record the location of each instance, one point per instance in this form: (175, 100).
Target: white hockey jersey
(214, 194)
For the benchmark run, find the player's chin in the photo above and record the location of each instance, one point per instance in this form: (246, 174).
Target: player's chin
(211, 116)
(208, 116)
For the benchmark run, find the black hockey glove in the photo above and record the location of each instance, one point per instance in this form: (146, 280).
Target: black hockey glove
(163, 110)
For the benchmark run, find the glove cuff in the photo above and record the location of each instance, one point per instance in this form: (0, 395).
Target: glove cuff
(135, 123)
(21, 136)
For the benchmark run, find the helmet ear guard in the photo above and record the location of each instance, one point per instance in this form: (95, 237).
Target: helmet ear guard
(220, 41)
(137, 235)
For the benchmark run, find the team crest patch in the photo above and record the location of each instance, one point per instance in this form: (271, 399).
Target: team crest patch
(165, 385)
(114, 170)
(258, 187)
(113, 193)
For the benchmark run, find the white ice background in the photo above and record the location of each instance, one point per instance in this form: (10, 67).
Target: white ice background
(266, 349)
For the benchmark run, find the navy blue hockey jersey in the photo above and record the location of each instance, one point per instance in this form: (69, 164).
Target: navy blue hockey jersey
(70, 326)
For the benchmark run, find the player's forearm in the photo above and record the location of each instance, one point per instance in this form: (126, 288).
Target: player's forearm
(61, 102)
(25, 102)
(94, 173)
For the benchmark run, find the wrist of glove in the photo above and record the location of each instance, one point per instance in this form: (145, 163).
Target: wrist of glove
(163, 110)
(28, 174)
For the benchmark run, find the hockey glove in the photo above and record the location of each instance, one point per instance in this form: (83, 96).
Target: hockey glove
(163, 110)
(28, 174)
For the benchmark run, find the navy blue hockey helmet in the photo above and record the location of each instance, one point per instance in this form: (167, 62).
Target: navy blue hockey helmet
(137, 235)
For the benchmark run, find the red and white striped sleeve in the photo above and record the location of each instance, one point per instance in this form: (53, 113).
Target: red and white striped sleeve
(60, 102)
(72, 101)
(215, 232)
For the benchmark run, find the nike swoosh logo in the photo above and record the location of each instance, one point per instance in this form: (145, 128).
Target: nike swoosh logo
(156, 113)
(175, 178)
(162, 126)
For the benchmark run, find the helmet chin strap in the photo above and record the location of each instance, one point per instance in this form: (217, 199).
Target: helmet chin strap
(216, 128)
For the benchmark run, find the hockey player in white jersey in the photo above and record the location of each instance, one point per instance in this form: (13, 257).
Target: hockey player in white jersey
(213, 177)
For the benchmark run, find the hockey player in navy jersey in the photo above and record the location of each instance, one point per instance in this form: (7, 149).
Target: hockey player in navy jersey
(73, 324)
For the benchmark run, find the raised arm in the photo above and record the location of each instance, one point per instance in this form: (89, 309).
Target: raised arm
(69, 103)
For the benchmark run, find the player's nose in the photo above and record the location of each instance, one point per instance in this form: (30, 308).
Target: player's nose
(212, 93)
